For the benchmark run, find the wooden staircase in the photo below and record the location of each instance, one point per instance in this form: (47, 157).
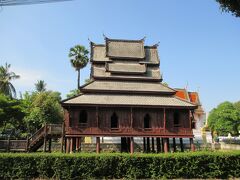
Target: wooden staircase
(38, 139)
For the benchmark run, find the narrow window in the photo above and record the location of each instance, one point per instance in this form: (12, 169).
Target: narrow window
(176, 122)
(147, 121)
(114, 121)
(83, 118)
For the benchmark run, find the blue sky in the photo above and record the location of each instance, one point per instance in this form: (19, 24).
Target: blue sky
(199, 46)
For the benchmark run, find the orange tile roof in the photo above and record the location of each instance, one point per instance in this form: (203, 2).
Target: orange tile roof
(193, 97)
(181, 93)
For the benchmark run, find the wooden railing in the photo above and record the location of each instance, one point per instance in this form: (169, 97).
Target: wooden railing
(24, 145)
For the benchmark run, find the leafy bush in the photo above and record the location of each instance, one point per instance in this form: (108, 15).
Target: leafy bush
(115, 165)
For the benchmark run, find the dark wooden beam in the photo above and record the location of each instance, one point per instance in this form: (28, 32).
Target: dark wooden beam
(174, 145)
(158, 145)
(181, 144)
(153, 149)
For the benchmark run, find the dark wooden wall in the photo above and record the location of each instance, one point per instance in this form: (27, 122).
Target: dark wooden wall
(131, 121)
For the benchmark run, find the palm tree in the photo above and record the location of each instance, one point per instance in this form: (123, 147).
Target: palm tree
(40, 86)
(6, 77)
(79, 58)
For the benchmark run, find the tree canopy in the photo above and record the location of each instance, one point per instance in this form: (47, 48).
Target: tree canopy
(41, 108)
(225, 119)
(11, 115)
(6, 76)
(40, 86)
(232, 6)
(79, 58)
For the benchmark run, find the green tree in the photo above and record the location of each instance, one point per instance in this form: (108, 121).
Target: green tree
(230, 6)
(40, 86)
(11, 115)
(73, 93)
(79, 58)
(6, 76)
(42, 107)
(224, 119)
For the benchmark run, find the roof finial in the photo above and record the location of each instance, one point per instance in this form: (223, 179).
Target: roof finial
(186, 87)
(157, 44)
(105, 37)
(91, 43)
(143, 39)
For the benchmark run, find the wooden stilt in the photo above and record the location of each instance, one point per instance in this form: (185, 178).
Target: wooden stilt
(192, 144)
(131, 145)
(162, 150)
(148, 145)
(181, 144)
(67, 145)
(50, 145)
(153, 149)
(158, 145)
(63, 137)
(45, 139)
(165, 141)
(97, 145)
(174, 145)
(168, 144)
(71, 145)
(80, 144)
(144, 144)
(77, 144)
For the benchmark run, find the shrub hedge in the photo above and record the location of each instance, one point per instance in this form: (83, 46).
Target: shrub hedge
(116, 165)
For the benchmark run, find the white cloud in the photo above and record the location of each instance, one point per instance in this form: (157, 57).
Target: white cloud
(28, 77)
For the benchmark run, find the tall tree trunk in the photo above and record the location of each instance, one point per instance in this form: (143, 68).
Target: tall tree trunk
(78, 86)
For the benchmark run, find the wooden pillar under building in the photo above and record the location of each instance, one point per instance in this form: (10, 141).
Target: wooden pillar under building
(67, 145)
(131, 145)
(158, 145)
(168, 144)
(174, 145)
(165, 142)
(97, 145)
(144, 144)
(45, 139)
(181, 144)
(148, 145)
(50, 144)
(62, 138)
(153, 149)
(162, 150)
(192, 146)
(77, 143)
(71, 144)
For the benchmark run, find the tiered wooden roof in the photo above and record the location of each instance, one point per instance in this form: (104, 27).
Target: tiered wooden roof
(126, 73)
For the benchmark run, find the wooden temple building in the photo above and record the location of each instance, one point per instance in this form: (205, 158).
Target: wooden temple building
(127, 99)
